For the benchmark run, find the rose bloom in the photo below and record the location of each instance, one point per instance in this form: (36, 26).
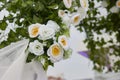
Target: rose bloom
(46, 33)
(55, 52)
(114, 9)
(75, 19)
(63, 41)
(104, 3)
(36, 48)
(67, 3)
(61, 13)
(34, 30)
(84, 4)
(53, 25)
(118, 3)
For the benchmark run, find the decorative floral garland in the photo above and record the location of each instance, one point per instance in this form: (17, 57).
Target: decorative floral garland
(49, 35)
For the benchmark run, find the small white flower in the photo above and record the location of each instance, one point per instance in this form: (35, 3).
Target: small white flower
(63, 41)
(118, 3)
(84, 4)
(55, 52)
(34, 30)
(66, 20)
(61, 13)
(46, 33)
(75, 19)
(3, 35)
(53, 25)
(114, 9)
(104, 3)
(67, 3)
(36, 48)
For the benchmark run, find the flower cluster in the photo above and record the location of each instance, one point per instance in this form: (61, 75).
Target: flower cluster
(44, 33)
(113, 9)
(48, 36)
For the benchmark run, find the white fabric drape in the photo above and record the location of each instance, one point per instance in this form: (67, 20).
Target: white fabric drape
(13, 64)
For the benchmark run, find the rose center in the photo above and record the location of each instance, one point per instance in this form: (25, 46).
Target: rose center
(55, 50)
(84, 2)
(63, 41)
(119, 3)
(35, 31)
(76, 19)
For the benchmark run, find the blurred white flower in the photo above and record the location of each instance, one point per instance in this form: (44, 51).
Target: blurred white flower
(46, 33)
(104, 3)
(118, 3)
(61, 13)
(75, 19)
(114, 9)
(36, 47)
(66, 20)
(84, 4)
(53, 25)
(63, 41)
(55, 52)
(34, 30)
(4, 35)
(67, 3)
(65, 16)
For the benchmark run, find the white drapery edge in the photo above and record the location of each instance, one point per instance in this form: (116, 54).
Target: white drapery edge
(14, 72)
(19, 69)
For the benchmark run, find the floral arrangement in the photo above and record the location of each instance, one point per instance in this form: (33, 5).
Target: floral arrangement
(46, 23)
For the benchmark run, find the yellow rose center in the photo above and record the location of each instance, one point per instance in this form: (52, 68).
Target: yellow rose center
(84, 2)
(63, 41)
(118, 3)
(76, 19)
(55, 50)
(35, 31)
(68, 1)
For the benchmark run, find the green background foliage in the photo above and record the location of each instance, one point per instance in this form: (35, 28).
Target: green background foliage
(110, 24)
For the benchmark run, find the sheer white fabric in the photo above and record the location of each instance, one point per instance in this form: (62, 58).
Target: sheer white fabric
(13, 64)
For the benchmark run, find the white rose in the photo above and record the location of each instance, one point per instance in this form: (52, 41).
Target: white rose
(114, 9)
(61, 13)
(63, 41)
(36, 48)
(104, 4)
(55, 52)
(75, 19)
(67, 3)
(53, 25)
(118, 3)
(34, 30)
(84, 4)
(46, 33)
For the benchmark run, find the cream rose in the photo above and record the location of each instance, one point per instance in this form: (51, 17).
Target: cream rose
(55, 52)
(67, 3)
(118, 3)
(36, 47)
(84, 4)
(34, 30)
(63, 41)
(46, 33)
